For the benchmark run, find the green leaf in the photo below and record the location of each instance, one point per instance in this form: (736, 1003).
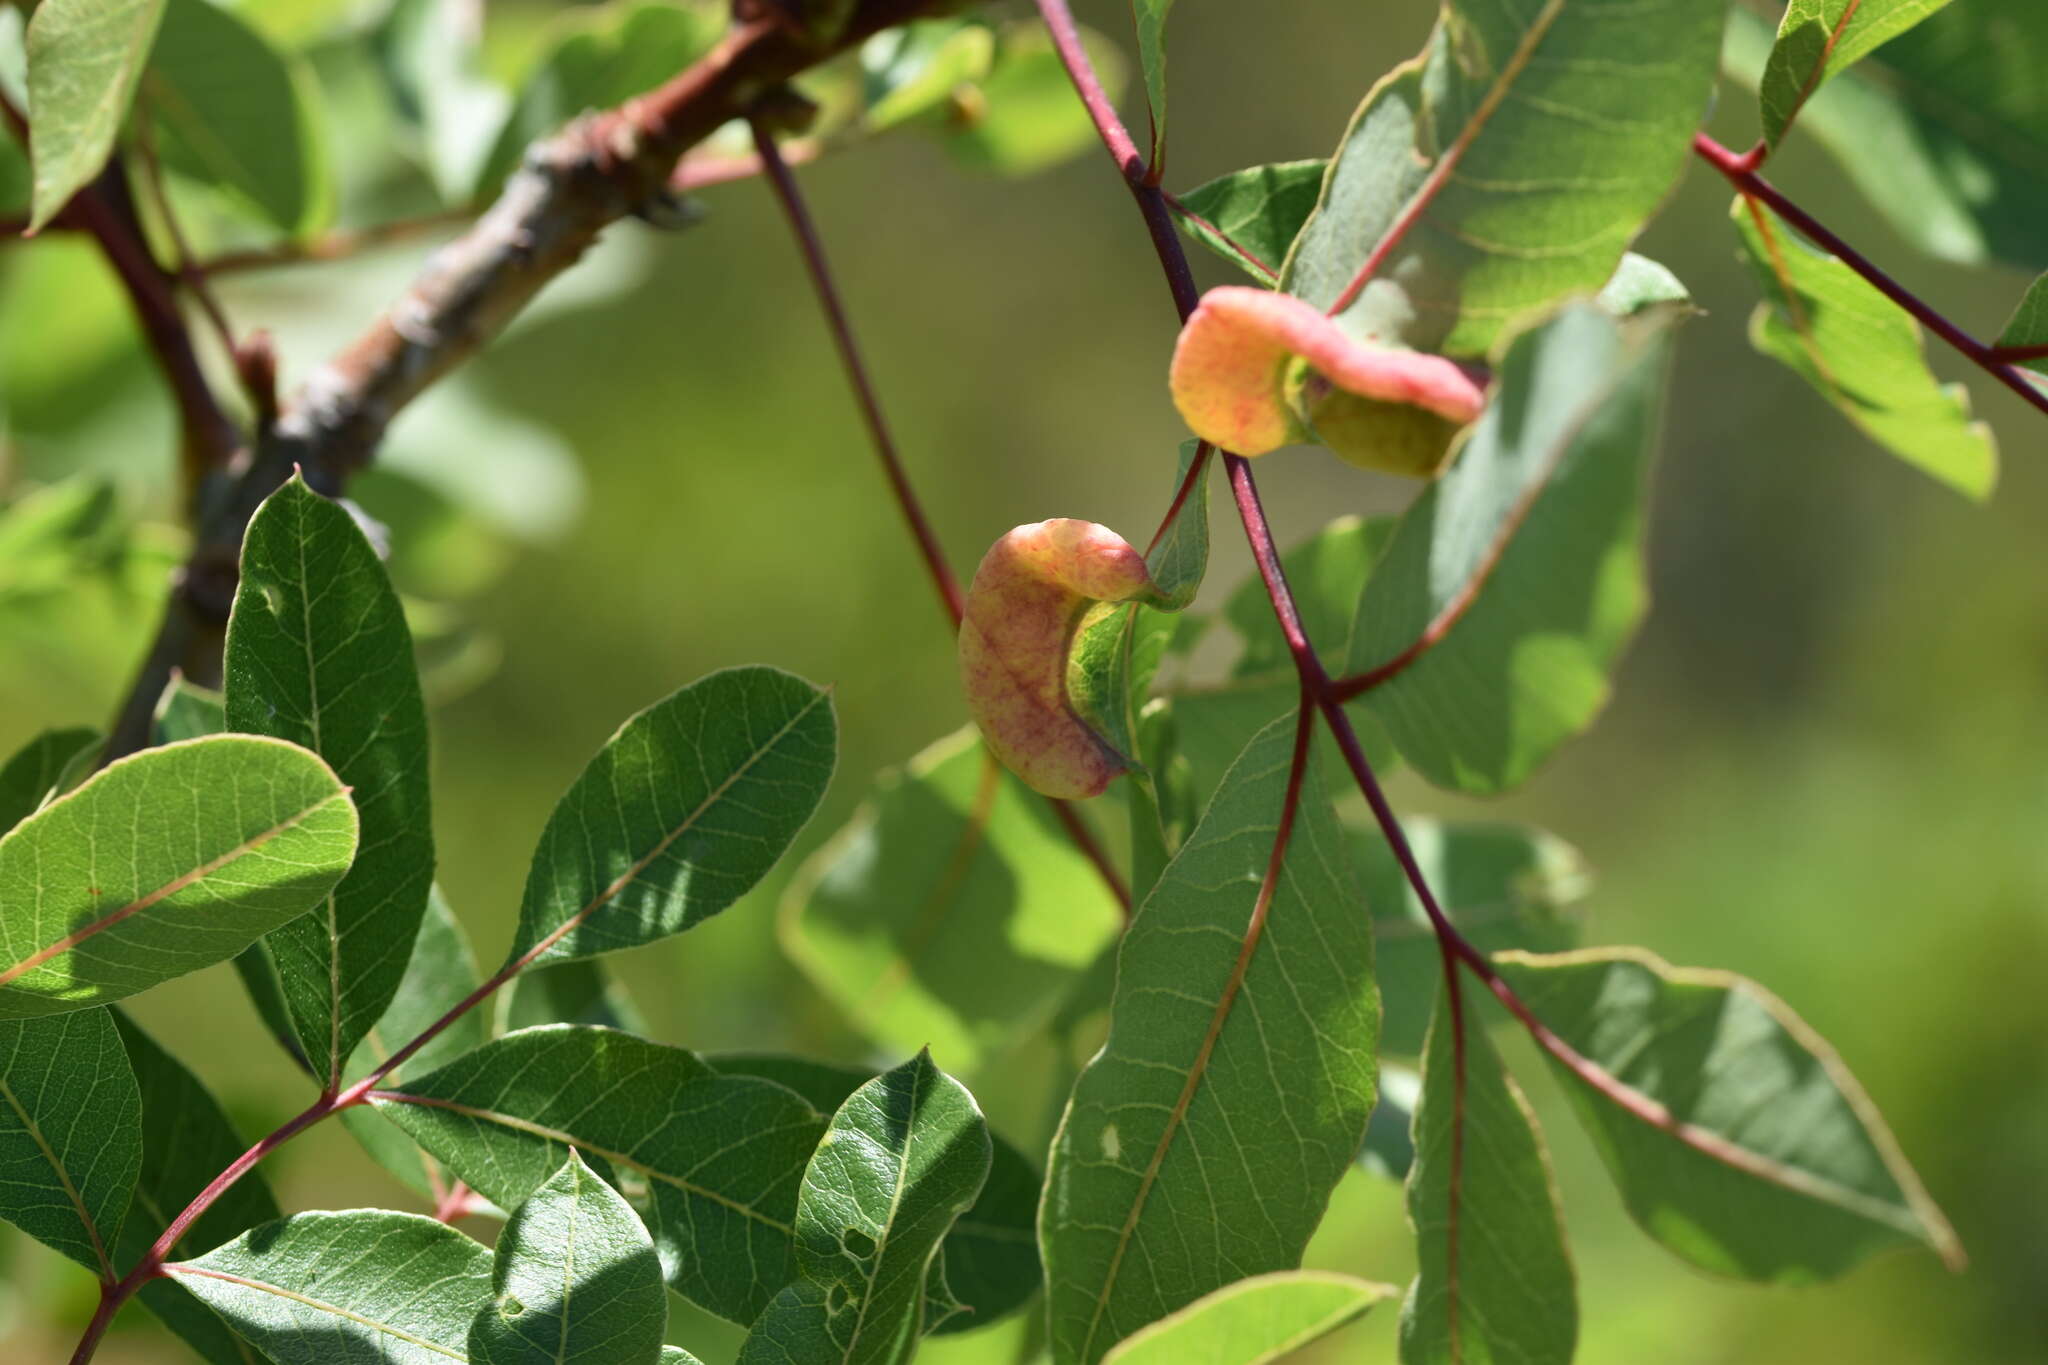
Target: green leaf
(915, 69)
(2028, 326)
(1504, 886)
(1862, 353)
(1027, 118)
(187, 711)
(1252, 1322)
(234, 114)
(710, 1162)
(1180, 559)
(430, 54)
(233, 836)
(1639, 284)
(368, 1285)
(1494, 1279)
(1748, 1148)
(1261, 209)
(1151, 20)
(1389, 1148)
(952, 909)
(1201, 1144)
(84, 60)
(582, 992)
(1513, 583)
(70, 1133)
(30, 776)
(577, 1281)
(904, 1156)
(676, 1355)
(1507, 168)
(186, 1142)
(1944, 130)
(613, 55)
(989, 1261)
(1818, 38)
(318, 653)
(440, 975)
(1326, 574)
(680, 813)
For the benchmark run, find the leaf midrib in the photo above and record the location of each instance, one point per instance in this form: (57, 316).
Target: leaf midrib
(264, 1287)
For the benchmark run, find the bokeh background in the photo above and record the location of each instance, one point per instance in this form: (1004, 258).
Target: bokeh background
(1823, 766)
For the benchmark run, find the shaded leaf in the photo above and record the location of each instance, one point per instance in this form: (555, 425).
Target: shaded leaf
(577, 1281)
(1862, 353)
(85, 58)
(1201, 1144)
(1260, 209)
(70, 1133)
(2028, 326)
(582, 992)
(710, 1162)
(915, 69)
(186, 1142)
(904, 1156)
(1326, 574)
(1026, 117)
(680, 813)
(1494, 1279)
(1752, 1152)
(1151, 19)
(1513, 583)
(368, 1285)
(1818, 38)
(440, 974)
(31, 775)
(1640, 283)
(318, 653)
(234, 836)
(1252, 1322)
(187, 711)
(1504, 886)
(1389, 1149)
(953, 908)
(235, 114)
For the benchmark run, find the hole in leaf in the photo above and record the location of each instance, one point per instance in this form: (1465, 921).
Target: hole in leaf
(510, 1307)
(858, 1244)
(838, 1299)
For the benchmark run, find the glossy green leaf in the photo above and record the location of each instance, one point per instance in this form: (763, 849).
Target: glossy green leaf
(582, 992)
(676, 1355)
(367, 1285)
(186, 1142)
(953, 909)
(711, 1162)
(1255, 1321)
(1944, 129)
(1201, 1144)
(1513, 583)
(1862, 353)
(70, 1133)
(1747, 1148)
(189, 712)
(680, 813)
(617, 53)
(1504, 886)
(1507, 168)
(1494, 1280)
(85, 58)
(1151, 19)
(915, 69)
(903, 1158)
(233, 113)
(1257, 211)
(441, 973)
(1818, 38)
(234, 836)
(1027, 117)
(577, 1281)
(989, 1261)
(430, 54)
(2028, 326)
(318, 653)
(30, 776)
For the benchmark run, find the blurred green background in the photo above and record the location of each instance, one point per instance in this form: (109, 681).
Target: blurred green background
(1823, 766)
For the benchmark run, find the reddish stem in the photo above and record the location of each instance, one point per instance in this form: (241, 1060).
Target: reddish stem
(1740, 169)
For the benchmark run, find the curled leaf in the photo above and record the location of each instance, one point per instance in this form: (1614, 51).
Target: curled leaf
(1256, 370)
(1027, 601)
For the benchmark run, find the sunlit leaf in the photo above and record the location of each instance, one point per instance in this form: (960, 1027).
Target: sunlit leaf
(1255, 1321)
(1026, 117)
(1747, 1147)
(85, 58)
(233, 836)
(429, 52)
(1259, 210)
(1818, 38)
(915, 69)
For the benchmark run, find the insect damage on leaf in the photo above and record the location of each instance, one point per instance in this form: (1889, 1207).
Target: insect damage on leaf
(1027, 600)
(1255, 371)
